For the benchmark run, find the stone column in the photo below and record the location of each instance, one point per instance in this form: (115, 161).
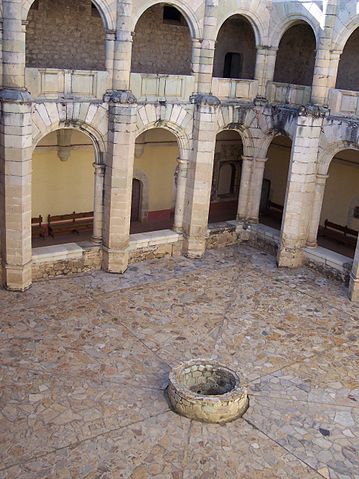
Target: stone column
(265, 65)
(354, 277)
(118, 180)
(324, 76)
(196, 58)
(316, 210)
(123, 47)
(15, 188)
(198, 191)
(255, 191)
(207, 47)
(13, 45)
(98, 203)
(243, 200)
(15, 154)
(180, 194)
(110, 53)
(301, 187)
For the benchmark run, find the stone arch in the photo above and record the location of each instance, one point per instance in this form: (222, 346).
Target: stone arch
(47, 118)
(267, 141)
(296, 54)
(327, 154)
(347, 75)
(236, 48)
(247, 140)
(103, 7)
(243, 130)
(183, 7)
(251, 17)
(150, 117)
(291, 21)
(343, 35)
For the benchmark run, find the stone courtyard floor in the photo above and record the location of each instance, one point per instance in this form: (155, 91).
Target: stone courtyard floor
(85, 361)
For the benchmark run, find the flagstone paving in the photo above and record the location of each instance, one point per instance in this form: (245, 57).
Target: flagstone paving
(85, 362)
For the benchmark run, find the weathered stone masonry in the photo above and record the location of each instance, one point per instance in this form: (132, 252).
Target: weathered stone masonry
(178, 87)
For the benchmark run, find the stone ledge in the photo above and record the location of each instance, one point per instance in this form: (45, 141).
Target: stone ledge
(331, 259)
(265, 232)
(153, 238)
(222, 226)
(59, 252)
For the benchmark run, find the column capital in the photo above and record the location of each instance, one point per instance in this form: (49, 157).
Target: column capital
(182, 162)
(99, 168)
(122, 97)
(110, 35)
(15, 95)
(321, 178)
(205, 99)
(267, 48)
(316, 111)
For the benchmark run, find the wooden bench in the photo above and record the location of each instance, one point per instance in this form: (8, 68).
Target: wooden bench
(342, 234)
(70, 223)
(36, 227)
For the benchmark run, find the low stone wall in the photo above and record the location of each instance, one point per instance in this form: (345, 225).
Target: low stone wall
(329, 271)
(155, 252)
(221, 235)
(263, 243)
(88, 260)
(328, 263)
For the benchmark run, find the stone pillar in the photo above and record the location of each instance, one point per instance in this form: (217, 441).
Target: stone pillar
(265, 65)
(15, 154)
(300, 187)
(180, 194)
(255, 191)
(324, 76)
(98, 203)
(13, 45)
(354, 277)
(15, 188)
(207, 47)
(118, 180)
(123, 47)
(316, 210)
(196, 58)
(198, 191)
(243, 200)
(110, 53)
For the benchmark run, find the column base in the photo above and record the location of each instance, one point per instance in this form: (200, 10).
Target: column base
(114, 261)
(312, 244)
(17, 278)
(194, 247)
(96, 240)
(290, 257)
(353, 289)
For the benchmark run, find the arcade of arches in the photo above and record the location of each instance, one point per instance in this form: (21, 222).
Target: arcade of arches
(211, 89)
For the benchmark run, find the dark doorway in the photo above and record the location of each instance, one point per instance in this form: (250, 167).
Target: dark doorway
(136, 200)
(232, 65)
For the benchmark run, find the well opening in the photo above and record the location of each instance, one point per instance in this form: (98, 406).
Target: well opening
(206, 391)
(208, 380)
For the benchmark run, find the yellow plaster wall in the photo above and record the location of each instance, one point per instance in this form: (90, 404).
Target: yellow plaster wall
(156, 156)
(276, 169)
(60, 187)
(342, 190)
(229, 147)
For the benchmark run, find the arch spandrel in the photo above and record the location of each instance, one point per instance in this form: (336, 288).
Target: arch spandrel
(106, 8)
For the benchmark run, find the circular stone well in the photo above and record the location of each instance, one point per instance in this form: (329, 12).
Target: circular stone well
(206, 391)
